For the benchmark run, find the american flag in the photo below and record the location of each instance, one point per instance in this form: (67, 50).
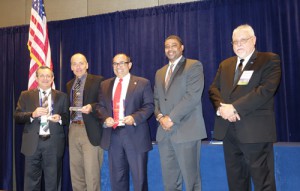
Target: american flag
(38, 42)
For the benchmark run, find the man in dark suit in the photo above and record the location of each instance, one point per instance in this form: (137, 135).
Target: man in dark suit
(85, 130)
(242, 94)
(177, 97)
(126, 133)
(44, 112)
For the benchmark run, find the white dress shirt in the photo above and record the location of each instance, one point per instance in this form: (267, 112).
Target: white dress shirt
(122, 105)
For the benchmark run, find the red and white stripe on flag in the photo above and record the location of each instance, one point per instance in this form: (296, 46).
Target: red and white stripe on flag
(38, 42)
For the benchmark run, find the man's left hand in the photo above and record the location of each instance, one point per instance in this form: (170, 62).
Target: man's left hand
(128, 120)
(54, 118)
(228, 112)
(86, 109)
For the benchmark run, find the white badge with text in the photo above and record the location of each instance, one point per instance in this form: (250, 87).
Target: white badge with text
(245, 77)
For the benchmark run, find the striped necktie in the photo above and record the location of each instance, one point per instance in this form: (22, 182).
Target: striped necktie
(76, 94)
(170, 72)
(45, 105)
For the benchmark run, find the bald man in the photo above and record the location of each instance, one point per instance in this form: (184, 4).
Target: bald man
(84, 132)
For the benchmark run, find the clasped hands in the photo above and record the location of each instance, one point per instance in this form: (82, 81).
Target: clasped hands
(166, 123)
(228, 112)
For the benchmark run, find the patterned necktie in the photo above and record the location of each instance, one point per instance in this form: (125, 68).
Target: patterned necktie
(76, 93)
(45, 105)
(45, 100)
(116, 103)
(170, 72)
(238, 71)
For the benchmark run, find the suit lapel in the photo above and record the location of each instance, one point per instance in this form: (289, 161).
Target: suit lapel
(87, 85)
(53, 101)
(178, 66)
(131, 87)
(251, 61)
(232, 69)
(36, 98)
(163, 76)
(109, 93)
(231, 72)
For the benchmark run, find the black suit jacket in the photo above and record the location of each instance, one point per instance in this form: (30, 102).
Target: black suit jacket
(254, 102)
(28, 102)
(138, 103)
(90, 96)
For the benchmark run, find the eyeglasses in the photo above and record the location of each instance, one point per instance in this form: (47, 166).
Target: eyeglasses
(115, 64)
(242, 41)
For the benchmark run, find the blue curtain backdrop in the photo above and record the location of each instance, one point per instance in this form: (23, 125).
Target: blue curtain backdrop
(206, 29)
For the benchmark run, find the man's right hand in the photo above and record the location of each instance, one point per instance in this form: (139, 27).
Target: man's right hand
(109, 122)
(39, 111)
(86, 109)
(166, 123)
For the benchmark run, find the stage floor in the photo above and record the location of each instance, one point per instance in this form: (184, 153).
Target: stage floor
(287, 168)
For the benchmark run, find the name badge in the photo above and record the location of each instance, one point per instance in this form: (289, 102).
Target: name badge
(245, 77)
(44, 120)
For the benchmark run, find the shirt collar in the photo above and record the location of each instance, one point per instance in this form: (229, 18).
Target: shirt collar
(83, 77)
(125, 78)
(245, 59)
(175, 62)
(47, 91)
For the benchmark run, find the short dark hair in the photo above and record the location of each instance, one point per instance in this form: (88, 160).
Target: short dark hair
(175, 37)
(128, 58)
(43, 68)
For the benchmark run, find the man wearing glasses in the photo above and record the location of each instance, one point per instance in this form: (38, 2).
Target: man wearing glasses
(125, 104)
(243, 95)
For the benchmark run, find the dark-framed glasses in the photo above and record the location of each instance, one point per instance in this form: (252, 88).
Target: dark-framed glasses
(115, 64)
(242, 41)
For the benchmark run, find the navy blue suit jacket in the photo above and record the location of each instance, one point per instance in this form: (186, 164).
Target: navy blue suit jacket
(138, 103)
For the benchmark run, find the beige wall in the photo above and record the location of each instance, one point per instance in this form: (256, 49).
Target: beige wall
(17, 12)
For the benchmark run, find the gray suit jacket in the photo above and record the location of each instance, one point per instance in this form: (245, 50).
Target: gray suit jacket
(182, 101)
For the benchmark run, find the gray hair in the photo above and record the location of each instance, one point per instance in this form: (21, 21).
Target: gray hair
(244, 27)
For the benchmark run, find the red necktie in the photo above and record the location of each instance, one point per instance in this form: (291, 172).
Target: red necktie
(116, 103)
